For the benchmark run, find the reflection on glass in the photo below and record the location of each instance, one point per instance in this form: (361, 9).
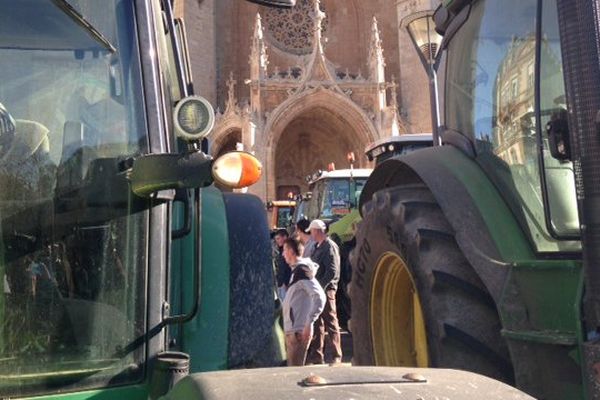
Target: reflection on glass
(72, 250)
(340, 195)
(490, 97)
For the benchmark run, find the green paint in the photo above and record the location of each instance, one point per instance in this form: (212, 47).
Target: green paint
(550, 290)
(345, 227)
(501, 223)
(545, 337)
(134, 392)
(205, 338)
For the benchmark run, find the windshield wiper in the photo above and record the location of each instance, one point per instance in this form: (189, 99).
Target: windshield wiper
(81, 21)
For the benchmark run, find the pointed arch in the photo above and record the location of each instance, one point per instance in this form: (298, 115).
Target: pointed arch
(361, 130)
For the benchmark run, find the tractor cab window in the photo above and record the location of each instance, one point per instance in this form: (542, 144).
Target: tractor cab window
(339, 196)
(491, 98)
(72, 238)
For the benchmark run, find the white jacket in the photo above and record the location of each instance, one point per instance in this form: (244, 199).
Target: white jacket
(305, 298)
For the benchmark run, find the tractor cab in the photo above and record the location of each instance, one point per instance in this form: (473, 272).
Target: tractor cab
(280, 213)
(334, 194)
(100, 134)
(388, 147)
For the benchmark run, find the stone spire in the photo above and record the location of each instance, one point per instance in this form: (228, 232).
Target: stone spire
(258, 53)
(317, 16)
(376, 60)
(319, 71)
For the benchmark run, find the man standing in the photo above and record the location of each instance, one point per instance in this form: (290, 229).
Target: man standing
(303, 303)
(283, 271)
(304, 237)
(327, 255)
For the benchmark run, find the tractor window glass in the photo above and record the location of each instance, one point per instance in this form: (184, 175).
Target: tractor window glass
(491, 99)
(558, 169)
(336, 199)
(313, 208)
(72, 237)
(284, 216)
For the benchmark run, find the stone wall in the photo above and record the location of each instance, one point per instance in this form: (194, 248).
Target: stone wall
(200, 21)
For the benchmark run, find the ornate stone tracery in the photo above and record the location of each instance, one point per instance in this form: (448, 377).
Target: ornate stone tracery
(290, 30)
(333, 102)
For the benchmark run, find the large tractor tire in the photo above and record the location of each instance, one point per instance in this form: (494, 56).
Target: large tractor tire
(253, 330)
(416, 301)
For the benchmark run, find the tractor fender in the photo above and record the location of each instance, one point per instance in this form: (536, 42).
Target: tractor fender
(252, 327)
(466, 196)
(236, 323)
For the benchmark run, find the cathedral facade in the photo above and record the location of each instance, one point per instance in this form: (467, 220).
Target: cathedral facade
(302, 88)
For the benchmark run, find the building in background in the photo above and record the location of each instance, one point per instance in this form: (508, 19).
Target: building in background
(303, 87)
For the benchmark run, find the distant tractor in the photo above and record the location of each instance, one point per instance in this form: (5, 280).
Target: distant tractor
(483, 254)
(280, 213)
(300, 210)
(333, 197)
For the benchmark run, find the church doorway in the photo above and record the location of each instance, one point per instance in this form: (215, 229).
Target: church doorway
(312, 141)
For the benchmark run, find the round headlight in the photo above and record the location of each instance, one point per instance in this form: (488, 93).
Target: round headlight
(194, 118)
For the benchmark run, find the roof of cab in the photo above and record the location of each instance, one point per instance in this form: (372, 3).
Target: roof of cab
(345, 173)
(406, 138)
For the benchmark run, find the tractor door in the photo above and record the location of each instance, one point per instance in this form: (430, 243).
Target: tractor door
(508, 98)
(73, 238)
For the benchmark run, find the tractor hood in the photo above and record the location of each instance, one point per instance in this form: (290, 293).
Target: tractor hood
(343, 382)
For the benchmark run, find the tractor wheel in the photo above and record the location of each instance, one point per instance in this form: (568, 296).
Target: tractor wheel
(416, 301)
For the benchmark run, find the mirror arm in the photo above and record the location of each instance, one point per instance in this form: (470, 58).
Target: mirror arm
(155, 172)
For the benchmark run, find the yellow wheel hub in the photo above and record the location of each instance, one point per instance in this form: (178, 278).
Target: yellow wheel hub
(397, 324)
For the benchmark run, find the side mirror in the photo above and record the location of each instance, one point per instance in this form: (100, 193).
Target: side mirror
(558, 136)
(275, 3)
(152, 173)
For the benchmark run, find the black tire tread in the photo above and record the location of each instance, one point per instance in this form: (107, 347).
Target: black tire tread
(461, 319)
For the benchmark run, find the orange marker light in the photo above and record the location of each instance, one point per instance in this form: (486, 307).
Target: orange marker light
(237, 169)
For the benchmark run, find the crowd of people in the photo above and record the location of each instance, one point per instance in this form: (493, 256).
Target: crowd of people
(308, 271)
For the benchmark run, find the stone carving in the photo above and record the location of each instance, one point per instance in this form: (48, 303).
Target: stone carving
(231, 98)
(291, 30)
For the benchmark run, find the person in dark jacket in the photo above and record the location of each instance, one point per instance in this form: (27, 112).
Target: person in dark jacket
(327, 255)
(283, 271)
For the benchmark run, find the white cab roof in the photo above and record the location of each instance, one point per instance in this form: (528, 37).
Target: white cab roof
(345, 173)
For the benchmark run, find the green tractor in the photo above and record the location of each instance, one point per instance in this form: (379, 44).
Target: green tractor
(122, 268)
(333, 197)
(482, 254)
(120, 263)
